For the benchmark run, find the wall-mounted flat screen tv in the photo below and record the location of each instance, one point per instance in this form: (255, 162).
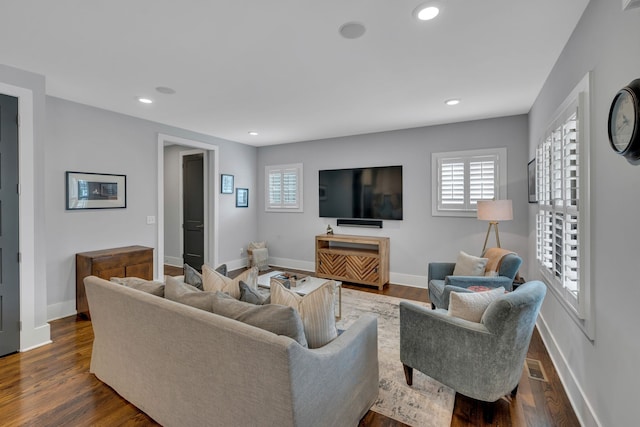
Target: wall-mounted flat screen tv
(362, 193)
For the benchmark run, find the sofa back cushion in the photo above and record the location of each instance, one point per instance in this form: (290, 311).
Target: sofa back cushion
(279, 319)
(178, 291)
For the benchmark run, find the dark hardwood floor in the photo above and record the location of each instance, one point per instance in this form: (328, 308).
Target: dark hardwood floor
(52, 386)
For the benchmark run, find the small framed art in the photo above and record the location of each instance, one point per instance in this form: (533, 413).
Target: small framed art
(531, 181)
(87, 190)
(242, 197)
(226, 184)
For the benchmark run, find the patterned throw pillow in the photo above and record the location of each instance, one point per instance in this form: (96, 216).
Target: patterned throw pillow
(214, 281)
(149, 286)
(316, 309)
(471, 306)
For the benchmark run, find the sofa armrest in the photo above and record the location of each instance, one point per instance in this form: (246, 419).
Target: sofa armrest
(439, 270)
(344, 370)
(488, 281)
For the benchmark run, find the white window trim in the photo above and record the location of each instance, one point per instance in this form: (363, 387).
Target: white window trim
(436, 158)
(268, 207)
(583, 314)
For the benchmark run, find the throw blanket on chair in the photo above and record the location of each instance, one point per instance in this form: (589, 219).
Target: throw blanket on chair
(495, 256)
(260, 258)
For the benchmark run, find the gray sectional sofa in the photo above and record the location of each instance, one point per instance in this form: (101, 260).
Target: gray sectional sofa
(189, 367)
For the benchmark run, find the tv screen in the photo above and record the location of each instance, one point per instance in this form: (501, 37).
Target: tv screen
(362, 193)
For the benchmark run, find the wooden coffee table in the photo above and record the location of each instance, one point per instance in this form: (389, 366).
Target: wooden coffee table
(307, 286)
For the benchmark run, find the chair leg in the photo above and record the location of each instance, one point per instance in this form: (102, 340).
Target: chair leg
(408, 374)
(488, 411)
(514, 391)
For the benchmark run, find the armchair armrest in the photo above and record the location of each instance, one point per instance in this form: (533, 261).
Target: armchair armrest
(439, 270)
(488, 281)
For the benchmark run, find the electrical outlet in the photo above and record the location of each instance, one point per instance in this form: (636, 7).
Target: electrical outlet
(151, 219)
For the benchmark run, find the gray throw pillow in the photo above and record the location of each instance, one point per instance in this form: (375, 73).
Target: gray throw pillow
(177, 291)
(148, 286)
(222, 269)
(192, 277)
(247, 294)
(279, 319)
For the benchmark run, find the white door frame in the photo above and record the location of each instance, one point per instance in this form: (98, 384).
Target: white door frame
(211, 240)
(31, 335)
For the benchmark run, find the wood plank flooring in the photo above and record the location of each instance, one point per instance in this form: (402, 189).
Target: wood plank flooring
(52, 386)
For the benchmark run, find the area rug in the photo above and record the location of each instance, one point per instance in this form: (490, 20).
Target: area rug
(427, 403)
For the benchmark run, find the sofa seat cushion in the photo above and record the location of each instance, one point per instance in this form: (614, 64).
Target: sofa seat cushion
(178, 291)
(317, 310)
(149, 286)
(279, 319)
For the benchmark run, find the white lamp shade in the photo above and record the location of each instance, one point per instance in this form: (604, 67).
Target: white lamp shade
(495, 210)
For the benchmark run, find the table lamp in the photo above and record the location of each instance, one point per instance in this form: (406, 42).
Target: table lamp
(494, 211)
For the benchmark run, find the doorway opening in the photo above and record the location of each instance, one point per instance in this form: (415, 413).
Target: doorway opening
(166, 250)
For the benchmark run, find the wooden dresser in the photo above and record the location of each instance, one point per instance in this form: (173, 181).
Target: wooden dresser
(129, 261)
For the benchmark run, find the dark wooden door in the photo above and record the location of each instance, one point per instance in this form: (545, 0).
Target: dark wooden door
(9, 244)
(193, 210)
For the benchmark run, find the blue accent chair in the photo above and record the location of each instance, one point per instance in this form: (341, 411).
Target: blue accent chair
(442, 282)
(483, 360)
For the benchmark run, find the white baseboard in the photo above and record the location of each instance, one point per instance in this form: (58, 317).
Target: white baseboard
(37, 337)
(579, 402)
(173, 261)
(408, 280)
(61, 309)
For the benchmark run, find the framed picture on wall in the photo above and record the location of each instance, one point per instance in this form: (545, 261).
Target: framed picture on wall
(531, 181)
(242, 198)
(226, 184)
(87, 190)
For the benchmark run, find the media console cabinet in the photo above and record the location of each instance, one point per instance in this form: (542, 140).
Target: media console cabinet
(129, 261)
(355, 259)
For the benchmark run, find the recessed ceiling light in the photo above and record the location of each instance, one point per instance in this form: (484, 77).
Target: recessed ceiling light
(144, 100)
(253, 133)
(426, 12)
(453, 101)
(165, 90)
(352, 30)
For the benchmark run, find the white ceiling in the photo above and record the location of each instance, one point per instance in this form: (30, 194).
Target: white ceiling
(280, 67)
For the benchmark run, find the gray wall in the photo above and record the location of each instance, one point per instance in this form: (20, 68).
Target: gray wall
(420, 237)
(600, 376)
(87, 139)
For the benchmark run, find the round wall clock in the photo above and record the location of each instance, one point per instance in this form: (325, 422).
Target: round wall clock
(624, 121)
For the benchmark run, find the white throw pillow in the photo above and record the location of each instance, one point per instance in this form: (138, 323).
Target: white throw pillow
(469, 265)
(214, 281)
(471, 306)
(316, 310)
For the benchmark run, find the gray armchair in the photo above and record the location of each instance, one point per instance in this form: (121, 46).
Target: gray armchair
(441, 281)
(482, 360)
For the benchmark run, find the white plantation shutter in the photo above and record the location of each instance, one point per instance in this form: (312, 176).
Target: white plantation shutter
(462, 178)
(283, 188)
(558, 217)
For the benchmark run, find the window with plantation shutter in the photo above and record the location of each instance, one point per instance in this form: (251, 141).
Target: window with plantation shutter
(460, 179)
(562, 241)
(283, 188)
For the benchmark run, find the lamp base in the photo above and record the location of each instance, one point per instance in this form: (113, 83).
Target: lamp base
(495, 225)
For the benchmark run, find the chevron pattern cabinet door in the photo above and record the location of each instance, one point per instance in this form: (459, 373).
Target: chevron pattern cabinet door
(331, 264)
(362, 268)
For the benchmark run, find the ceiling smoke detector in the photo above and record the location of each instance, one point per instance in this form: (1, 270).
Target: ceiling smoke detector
(352, 30)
